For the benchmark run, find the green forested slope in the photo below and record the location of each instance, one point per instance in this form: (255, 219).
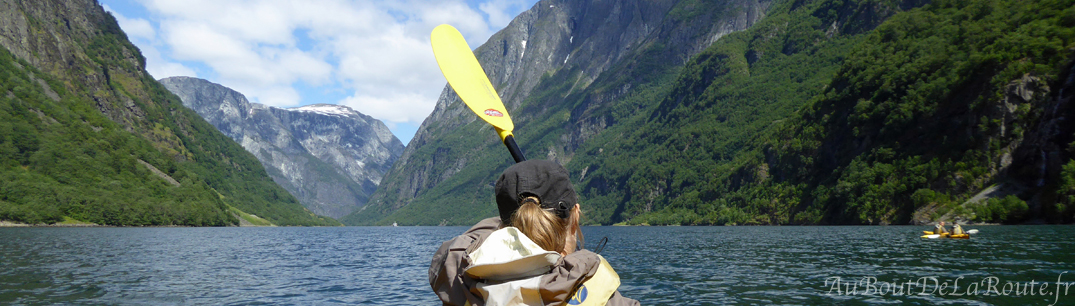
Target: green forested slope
(832, 112)
(923, 113)
(63, 158)
(823, 112)
(789, 123)
(74, 135)
(679, 154)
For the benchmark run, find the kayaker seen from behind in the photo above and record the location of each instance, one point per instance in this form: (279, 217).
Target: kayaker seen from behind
(528, 255)
(957, 230)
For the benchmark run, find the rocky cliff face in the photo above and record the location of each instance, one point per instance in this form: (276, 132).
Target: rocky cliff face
(614, 43)
(330, 157)
(62, 52)
(591, 37)
(97, 82)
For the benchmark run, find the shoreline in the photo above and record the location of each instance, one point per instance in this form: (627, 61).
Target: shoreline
(4, 223)
(12, 224)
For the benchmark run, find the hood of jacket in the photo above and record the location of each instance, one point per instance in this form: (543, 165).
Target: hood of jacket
(454, 286)
(508, 254)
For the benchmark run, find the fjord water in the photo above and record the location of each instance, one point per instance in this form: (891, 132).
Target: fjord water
(657, 265)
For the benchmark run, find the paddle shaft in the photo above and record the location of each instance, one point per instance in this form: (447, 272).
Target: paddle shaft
(516, 153)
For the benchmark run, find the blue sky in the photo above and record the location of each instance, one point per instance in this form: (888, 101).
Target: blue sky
(371, 55)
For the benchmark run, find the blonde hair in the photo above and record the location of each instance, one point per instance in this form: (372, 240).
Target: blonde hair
(544, 227)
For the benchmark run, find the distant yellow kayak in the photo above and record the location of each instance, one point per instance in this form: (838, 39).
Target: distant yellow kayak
(931, 235)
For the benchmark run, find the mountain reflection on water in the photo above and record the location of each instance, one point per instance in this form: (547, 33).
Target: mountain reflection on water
(1002, 265)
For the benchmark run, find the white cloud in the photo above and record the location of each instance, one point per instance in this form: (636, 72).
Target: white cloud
(392, 107)
(136, 28)
(192, 40)
(377, 50)
(501, 12)
(160, 68)
(144, 36)
(458, 14)
(250, 62)
(167, 69)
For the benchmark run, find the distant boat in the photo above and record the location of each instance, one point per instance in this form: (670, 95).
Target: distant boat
(394, 224)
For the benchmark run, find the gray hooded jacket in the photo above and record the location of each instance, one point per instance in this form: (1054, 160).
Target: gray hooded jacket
(454, 287)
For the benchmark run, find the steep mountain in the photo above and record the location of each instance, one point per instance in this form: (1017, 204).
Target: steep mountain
(952, 111)
(822, 112)
(561, 68)
(87, 134)
(330, 157)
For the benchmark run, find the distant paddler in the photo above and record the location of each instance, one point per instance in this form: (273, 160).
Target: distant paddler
(957, 230)
(940, 232)
(939, 229)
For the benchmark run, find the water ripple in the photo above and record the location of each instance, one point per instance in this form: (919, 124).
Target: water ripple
(388, 266)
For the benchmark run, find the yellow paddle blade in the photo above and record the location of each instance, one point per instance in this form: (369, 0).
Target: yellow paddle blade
(467, 77)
